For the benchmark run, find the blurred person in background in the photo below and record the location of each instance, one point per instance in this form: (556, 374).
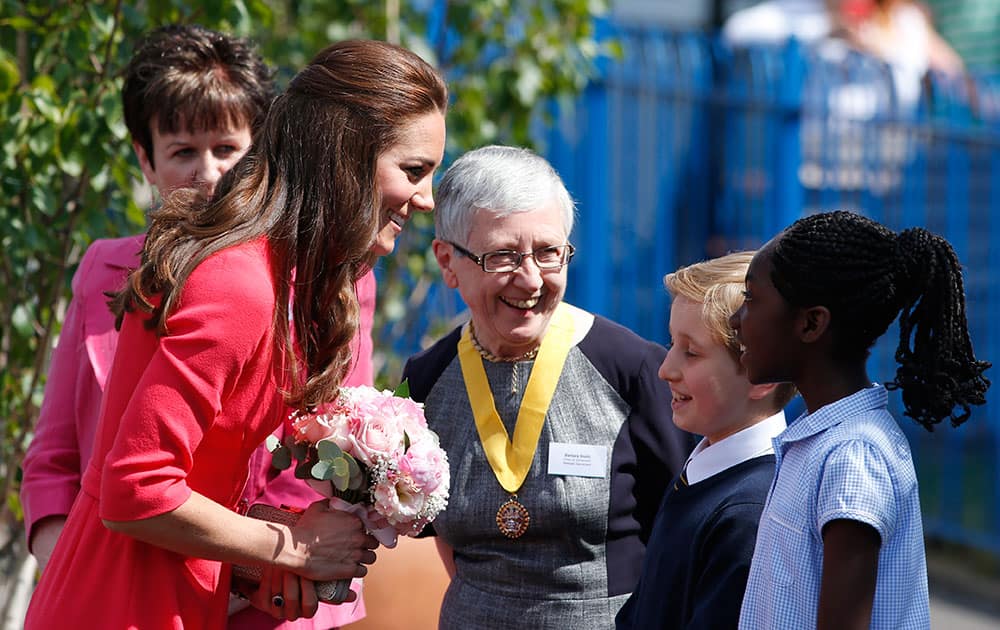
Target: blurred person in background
(971, 28)
(776, 21)
(897, 32)
(900, 33)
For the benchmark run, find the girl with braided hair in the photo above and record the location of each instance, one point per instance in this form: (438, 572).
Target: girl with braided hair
(840, 543)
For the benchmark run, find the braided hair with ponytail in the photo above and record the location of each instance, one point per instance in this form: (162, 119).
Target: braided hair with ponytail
(867, 275)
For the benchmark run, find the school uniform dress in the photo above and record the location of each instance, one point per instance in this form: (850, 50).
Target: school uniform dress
(63, 443)
(847, 460)
(580, 556)
(696, 564)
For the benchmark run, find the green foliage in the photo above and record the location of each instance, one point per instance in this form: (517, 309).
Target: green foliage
(338, 467)
(402, 390)
(323, 462)
(281, 455)
(505, 61)
(68, 173)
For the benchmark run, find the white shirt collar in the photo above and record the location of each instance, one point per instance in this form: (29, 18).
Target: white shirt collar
(753, 441)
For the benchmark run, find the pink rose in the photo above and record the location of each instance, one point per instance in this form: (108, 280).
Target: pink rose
(398, 501)
(427, 465)
(373, 438)
(409, 414)
(405, 490)
(312, 428)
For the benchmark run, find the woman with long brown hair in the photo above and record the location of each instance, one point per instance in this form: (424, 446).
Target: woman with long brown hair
(244, 308)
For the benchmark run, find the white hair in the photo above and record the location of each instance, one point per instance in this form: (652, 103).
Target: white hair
(499, 180)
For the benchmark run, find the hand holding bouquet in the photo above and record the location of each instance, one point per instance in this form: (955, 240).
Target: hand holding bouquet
(372, 454)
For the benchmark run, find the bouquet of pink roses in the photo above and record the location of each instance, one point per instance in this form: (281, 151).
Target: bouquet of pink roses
(372, 454)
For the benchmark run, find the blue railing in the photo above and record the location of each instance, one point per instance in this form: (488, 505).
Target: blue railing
(685, 150)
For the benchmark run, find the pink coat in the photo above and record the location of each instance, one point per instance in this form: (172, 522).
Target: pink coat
(64, 436)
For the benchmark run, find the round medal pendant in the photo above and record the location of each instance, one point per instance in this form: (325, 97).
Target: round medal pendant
(513, 518)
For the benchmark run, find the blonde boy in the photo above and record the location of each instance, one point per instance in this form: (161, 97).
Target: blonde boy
(696, 564)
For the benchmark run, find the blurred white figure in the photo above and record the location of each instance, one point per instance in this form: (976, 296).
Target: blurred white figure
(775, 21)
(899, 32)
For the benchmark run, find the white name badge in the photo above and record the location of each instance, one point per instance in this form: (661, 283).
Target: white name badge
(579, 460)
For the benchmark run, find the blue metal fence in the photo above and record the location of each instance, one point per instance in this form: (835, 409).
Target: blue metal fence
(684, 150)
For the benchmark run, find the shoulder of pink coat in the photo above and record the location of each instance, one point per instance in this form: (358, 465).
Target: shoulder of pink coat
(104, 267)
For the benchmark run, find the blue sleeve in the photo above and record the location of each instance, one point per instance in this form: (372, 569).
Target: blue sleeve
(855, 484)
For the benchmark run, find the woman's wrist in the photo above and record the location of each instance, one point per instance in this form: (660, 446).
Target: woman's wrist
(287, 555)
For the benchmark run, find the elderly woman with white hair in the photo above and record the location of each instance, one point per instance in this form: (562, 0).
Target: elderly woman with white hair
(546, 529)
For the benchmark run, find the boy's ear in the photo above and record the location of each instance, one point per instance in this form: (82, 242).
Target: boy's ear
(445, 257)
(145, 164)
(762, 391)
(812, 323)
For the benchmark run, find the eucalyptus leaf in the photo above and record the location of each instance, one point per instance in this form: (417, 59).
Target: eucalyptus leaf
(328, 449)
(281, 458)
(341, 468)
(323, 470)
(300, 451)
(339, 484)
(357, 475)
(272, 442)
(303, 470)
(341, 477)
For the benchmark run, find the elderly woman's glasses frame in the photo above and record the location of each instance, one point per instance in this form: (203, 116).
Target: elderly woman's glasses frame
(507, 260)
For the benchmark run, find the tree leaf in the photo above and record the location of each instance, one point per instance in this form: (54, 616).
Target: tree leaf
(10, 76)
(18, 23)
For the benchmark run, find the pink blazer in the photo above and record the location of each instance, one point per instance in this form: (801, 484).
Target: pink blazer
(64, 436)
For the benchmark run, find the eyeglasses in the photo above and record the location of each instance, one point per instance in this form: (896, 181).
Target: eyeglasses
(506, 260)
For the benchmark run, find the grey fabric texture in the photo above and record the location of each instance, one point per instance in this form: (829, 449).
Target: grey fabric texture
(555, 575)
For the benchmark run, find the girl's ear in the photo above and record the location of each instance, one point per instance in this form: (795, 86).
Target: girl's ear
(445, 256)
(812, 323)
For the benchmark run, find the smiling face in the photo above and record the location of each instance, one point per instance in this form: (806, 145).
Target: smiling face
(510, 311)
(404, 175)
(711, 394)
(765, 326)
(184, 159)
